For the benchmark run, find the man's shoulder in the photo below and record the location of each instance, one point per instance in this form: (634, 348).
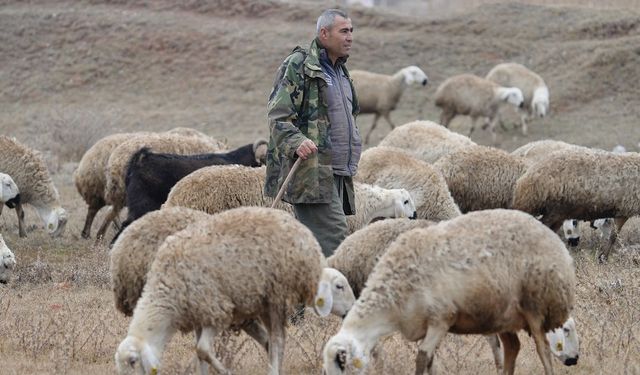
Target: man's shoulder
(296, 56)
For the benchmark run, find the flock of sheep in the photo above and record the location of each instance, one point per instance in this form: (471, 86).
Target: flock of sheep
(202, 250)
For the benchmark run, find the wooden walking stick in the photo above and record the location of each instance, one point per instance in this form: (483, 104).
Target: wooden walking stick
(286, 181)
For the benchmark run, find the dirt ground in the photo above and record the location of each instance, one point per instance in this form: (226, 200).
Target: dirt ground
(72, 72)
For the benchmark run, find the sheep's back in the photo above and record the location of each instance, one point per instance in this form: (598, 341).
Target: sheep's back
(467, 94)
(232, 264)
(481, 177)
(136, 247)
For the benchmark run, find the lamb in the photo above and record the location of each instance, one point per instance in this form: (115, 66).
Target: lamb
(150, 176)
(218, 188)
(379, 93)
(249, 263)
(9, 193)
(7, 262)
(584, 185)
(392, 169)
(357, 255)
(115, 193)
(534, 90)
(425, 140)
(29, 171)
(429, 281)
(481, 177)
(467, 94)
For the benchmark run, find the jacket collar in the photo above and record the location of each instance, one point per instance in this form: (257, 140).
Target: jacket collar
(313, 59)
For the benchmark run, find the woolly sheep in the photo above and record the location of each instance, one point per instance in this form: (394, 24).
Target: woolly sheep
(115, 193)
(442, 278)
(379, 93)
(9, 193)
(90, 177)
(218, 188)
(470, 95)
(7, 261)
(585, 185)
(481, 177)
(357, 255)
(29, 171)
(533, 152)
(242, 264)
(425, 140)
(394, 169)
(534, 91)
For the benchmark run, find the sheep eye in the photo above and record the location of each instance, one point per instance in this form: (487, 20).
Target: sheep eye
(339, 286)
(566, 330)
(406, 202)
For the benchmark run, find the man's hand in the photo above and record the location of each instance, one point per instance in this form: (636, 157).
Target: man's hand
(306, 148)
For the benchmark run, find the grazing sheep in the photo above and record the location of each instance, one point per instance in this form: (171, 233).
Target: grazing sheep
(425, 140)
(467, 275)
(90, 177)
(481, 177)
(115, 189)
(470, 95)
(7, 262)
(9, 193)
(357, 255)
(150, 176)
(380, 93)
(218, 188)
(29, 171)
(534, 91)
(189, 132)
(249, 263)
(394, 169)
(585, 185)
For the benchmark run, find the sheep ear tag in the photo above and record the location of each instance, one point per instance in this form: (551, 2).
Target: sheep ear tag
(357, 363)
(323, 301)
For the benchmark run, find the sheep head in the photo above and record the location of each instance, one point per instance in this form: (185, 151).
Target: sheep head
(135, 357)
(343, 354)
(413, 74)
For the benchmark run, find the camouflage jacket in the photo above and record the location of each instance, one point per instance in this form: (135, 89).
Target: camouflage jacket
(292, 119)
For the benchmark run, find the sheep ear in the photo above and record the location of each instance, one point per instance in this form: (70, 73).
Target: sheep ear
(323, 302)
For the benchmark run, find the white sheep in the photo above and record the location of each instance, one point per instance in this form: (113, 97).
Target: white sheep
(533, 152)
(249, 263)
(7, 261)
(115, 189)
(467, 275)
(470, 95)
(357, 255)
(9, 192)
(218, 188)
(534, 90)
(29, 171)
(379, 93)
(392, 168)
(90, 176)
(481, 177)
(586, 185)
(425, 140)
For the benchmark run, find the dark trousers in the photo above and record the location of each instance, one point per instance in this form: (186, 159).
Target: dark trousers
(326, 221)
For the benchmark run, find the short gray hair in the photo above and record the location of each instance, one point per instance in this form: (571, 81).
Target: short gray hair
(327, 18)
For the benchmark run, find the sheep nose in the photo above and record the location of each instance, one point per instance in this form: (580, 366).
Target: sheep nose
(571, 361)
(574, 241)
(414, 216)
(521, 104)
(424, 82)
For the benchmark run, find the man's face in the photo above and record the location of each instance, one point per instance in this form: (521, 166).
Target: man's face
(338, 39)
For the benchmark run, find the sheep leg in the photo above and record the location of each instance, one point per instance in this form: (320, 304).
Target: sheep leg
(256, 330)
(427, 348)
(445, 117)
(619, 222)
(388, 118)
(111, 215)
(88, 221)
(474, 122)
(511, 347)
(494, 343)
(542, 346)
(523, 122)
(492, 128)
(373, 126)
(204, 349)
(276, 319)
(21, 226)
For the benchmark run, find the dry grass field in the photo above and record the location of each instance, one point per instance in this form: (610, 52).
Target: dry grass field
(74, 71)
